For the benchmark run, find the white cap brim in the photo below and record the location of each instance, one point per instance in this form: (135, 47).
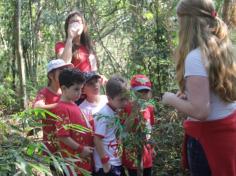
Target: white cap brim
(60, 66)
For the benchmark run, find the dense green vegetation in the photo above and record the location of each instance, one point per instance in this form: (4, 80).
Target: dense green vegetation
(131, 36)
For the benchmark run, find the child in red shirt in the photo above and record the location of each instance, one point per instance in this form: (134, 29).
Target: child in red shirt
(142, 86)
(48, 97)
(72, 142)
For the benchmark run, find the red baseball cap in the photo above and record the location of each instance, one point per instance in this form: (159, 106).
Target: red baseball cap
(140, 82)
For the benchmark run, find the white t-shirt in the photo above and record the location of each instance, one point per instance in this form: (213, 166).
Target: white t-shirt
(194, 67)
(106, 129)
(92, 108)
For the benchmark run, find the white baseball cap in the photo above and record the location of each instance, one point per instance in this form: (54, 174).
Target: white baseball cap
(57, 63)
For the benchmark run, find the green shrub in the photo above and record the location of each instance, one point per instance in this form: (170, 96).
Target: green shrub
(7, 97)
(168, 135)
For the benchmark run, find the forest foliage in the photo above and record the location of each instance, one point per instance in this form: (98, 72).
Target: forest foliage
(130, 37)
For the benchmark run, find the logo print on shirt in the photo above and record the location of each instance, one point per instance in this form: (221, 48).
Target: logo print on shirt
(114, 145)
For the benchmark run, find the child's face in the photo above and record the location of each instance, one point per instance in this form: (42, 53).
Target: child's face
(119, 101)
(71, 93)
(145, 94)
(92, 87)
(54, 75)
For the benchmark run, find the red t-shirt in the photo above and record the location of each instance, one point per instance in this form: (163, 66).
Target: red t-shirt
(127, 157)
(71, 114)
(82, 61)
(49, 128)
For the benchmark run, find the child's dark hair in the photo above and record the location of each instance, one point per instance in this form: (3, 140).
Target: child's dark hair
(71, 76)
(115, 86)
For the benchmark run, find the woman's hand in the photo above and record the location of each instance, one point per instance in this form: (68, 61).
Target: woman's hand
(168, 97)
(103, 80)
(181, 95)
(73, 29)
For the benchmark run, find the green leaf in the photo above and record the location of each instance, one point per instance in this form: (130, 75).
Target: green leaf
(41, 168)
(65, 168)
(149, 15)
(30, 150)
(77, 128)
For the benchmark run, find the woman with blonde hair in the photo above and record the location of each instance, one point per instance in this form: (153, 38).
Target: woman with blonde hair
(206, 73)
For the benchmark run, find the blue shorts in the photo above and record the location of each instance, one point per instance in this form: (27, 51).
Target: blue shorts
(197, 160)
(115, 171)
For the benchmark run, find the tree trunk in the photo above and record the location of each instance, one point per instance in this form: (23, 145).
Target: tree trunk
(20, 59)
(36, 39)
(229, 13)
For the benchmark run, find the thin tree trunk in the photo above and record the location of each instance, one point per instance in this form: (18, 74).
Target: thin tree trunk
(20, 59)
(13, 68)
(229, 13)
(36, 39)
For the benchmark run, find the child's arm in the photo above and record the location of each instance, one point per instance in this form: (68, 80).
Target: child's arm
(83, 150)
(40, 101)
(100, 133)
(64, 135)
(41, 104)
(102, 154)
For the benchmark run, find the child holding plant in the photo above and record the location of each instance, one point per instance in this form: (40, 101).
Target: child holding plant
(106, 157)
(139, 125)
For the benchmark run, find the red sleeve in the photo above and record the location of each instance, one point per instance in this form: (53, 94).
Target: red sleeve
(148, 114)
(63, 114)
(40, 96)
(152, 115)
(125, 113)
(59, 46)
(91, 121)
(128, 108)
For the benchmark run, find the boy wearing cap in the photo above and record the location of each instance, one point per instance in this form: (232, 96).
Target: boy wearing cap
(48, 97)
(73, 143)
(94, 101)
(142, 87)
